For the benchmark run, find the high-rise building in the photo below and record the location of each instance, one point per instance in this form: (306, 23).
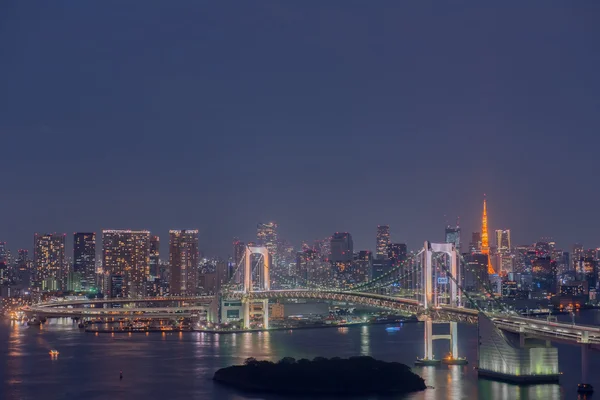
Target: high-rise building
(544, 272)
(4, 264)
(577, 256)
(23, 268)
(126, 253)
(453, 236)
(266, 235)
(183, 261)
(364, 265)
(383, 241)
(397, 253)
(4, 253)
(154, 256)
(239, 251)
(49, 260)
(117, 286)
(503, 241)
(342, 247)
(84, 259)
(475, 245)
(476, 277)
(485, 242)
(380, 267)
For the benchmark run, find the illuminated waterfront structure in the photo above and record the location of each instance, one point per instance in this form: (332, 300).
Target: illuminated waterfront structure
(84, 259)
(503, 241)
(513, 357)
(382, 241)
(126, 253)
(485, 243)
(155, 257)
(49, 260)
(183, 261)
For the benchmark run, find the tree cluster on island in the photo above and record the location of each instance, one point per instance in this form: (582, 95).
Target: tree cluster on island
(355, 375)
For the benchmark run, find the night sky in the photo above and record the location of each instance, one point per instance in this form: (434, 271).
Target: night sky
(323, 116)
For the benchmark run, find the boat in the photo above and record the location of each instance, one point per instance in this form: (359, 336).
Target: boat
(54, 353)
(455, 361)
(585, 388)
(34, 322)
(392, 328)
(426, 362)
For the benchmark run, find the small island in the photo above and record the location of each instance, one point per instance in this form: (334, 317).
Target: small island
(321, 376)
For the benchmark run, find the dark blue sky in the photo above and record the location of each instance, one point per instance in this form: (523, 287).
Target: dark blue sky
(322, 116)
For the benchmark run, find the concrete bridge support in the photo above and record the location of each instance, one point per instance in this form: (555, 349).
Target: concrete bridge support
(246, 312)
(265, 314)
(429, 338)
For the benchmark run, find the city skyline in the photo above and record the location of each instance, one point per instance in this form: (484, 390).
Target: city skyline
(465, 233)
(388, 197)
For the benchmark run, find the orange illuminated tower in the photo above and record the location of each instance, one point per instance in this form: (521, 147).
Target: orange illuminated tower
(485, 241)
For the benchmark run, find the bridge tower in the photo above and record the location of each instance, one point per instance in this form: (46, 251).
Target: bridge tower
(263, 284)
(432, 280)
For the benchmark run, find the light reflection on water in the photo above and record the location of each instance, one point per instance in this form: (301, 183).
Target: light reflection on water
(180, 365)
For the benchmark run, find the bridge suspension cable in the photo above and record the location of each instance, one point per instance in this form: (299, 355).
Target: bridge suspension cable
(402, 264)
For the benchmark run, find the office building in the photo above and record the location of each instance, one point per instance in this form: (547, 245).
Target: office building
(382, 241)
(84, 259)
(342, 247)
(397, 253)
(126, 253)
(154, 257)
(544, 272)
(239, 251)
(23, 268)
(183, 261)
(117, 286)
(476, 277)
(475, 245)
(266, 235)
(503, 241)
(452, 234)
(381, 266)
(4, 258)
(363, 265)
(49, 261)
(577, 257)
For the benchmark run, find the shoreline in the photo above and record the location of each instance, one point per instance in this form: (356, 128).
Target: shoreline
(212, 331)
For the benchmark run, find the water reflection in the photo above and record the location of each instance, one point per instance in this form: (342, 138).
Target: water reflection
(365, 348)
(498, 390)
(180, 366)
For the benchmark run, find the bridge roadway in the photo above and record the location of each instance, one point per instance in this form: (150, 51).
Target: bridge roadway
(195, 299)
(135, 312)
(530, 327)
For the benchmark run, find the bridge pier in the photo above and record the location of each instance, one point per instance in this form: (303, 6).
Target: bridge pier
(265, 314)
(454, 339)
(428, 339)
(429, 358)
(246, 312)
(584, 386)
